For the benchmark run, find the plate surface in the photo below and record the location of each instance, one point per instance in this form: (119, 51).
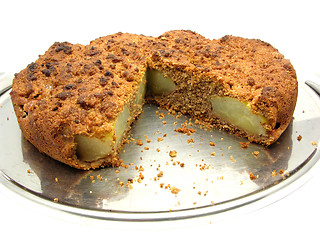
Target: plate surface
(201, 180)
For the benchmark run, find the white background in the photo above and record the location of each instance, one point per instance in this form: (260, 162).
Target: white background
(28, 28)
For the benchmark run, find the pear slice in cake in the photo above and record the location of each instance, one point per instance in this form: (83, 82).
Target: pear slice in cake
(238, 114)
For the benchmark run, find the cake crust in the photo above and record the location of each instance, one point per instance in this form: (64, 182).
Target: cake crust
(76, 89)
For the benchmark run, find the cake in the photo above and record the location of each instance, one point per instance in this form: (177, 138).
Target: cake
(76, 103)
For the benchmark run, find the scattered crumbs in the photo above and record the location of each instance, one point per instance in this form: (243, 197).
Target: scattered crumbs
(299, 138)
(121, 183)
(232, 159)
(281, 171)
(160, 139)
(314, 143)
(91, 177)
(212, 202)
(212, 144)
(56, 180)
(117, 171)
(139, 142)
(221, 139)
(173, 153)
(158, 150)
(244, 144)
(146, 148)
(164, 135)
(194, 203)
(274, 173)
(229, 147)
(252, 176)
(241, 182)
(148, 140)
(181, 164)
(56, 200)
(7, 118)
(213, 153)
(29, 171)
(164, 122)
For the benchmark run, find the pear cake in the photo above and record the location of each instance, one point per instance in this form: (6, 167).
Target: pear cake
(76, 103)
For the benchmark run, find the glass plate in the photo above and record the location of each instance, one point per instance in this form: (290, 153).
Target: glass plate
(201, 180)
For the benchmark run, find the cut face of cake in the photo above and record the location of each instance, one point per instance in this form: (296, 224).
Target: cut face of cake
(76, 103)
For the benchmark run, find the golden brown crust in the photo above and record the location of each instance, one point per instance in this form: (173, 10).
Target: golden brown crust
(80, 89)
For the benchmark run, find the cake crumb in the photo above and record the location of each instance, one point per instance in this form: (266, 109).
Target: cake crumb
(160, 139)
(244, 144)
(232, 159)
(173, 153)
(56, 200)
(146, 148)
(252, 176)
(212, 144)
(190, 140)
(314, 143)
(256, 153)
(185, 130)
(299, 138)
(139, 142)
(161, 115)
(175, 190)
(274, 173)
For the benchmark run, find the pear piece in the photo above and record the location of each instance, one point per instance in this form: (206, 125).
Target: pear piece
(159, 84)
(238, 114)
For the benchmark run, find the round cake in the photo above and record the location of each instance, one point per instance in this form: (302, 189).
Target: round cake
(76, 102)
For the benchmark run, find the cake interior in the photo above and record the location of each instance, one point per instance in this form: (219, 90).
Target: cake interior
(158, 84)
